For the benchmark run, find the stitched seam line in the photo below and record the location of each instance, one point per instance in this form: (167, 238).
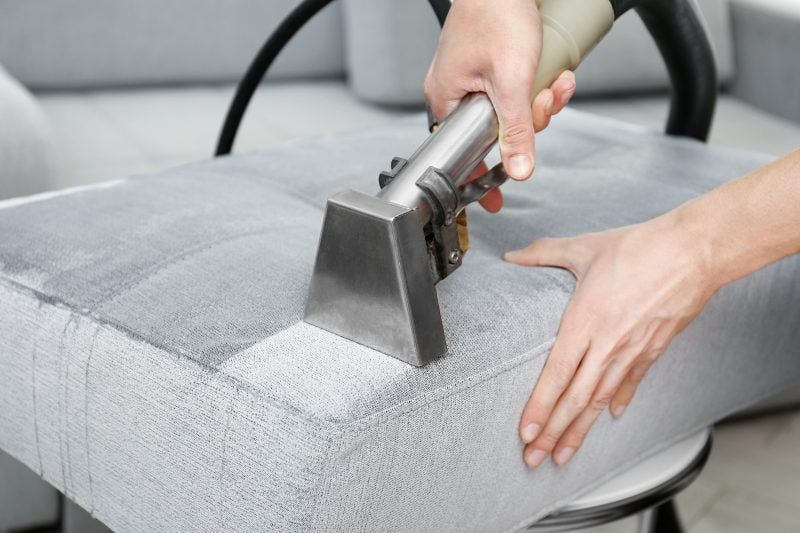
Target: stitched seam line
(123, 288)
(414, 404)
(347, 427)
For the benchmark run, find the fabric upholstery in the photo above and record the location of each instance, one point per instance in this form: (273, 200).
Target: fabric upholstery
(26, 151)
(767, 36)
(390, 45)
(736, 123)
(90, 43)
(154, 365)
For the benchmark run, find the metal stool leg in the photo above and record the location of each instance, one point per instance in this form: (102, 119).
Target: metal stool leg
(661, 519)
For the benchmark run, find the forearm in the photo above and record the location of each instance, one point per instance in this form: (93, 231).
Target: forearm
(746, 224)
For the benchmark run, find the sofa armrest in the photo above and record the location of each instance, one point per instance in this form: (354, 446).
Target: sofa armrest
(766, 42)
(26, 143)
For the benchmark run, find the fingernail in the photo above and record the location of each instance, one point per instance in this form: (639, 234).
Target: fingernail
(521, 167)
(618, 410)
(530, 432)
(535, 457)
(512, 257)
(563, 455)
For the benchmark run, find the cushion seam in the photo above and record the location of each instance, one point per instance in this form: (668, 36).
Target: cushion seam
(123, 288)
(106, 324)
(409, 406)
(347, 426)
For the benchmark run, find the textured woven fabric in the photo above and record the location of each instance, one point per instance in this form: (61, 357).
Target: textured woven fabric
(153, 364)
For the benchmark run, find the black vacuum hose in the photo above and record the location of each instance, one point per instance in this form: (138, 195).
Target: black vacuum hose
(674, 24)
(259, 67)
(266, 56)
(441, 8)
(678, 30)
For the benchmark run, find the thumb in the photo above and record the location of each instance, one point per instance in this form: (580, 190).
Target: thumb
(514, 111)
(544, 252)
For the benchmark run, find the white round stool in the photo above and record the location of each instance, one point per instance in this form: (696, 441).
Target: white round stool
(646, 490)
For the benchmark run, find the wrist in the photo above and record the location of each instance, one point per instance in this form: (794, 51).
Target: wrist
(696, 238)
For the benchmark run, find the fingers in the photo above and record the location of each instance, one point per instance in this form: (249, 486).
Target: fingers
(568, 351)
(570, 420)
(575, 434)
(442, 98)
(544, 252)
(543, 109)
(493, 201)
(513, 107)
(519, 120)
(622, 398)
(566, 409)
(563, 90)
(440, 109)
(551, 101)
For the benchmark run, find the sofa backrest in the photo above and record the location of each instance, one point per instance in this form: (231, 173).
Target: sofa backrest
(390, 44)
(94, 43)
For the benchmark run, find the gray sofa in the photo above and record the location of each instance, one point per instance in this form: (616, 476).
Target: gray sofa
(129, 130)
(26, 149)
(157, 371)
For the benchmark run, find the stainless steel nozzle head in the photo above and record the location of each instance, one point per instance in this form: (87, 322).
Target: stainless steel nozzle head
(372, 280)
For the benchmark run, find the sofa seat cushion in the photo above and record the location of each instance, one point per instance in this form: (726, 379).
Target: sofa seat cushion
(155, 368)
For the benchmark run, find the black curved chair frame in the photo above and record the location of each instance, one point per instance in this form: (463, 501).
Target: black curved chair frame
(655, 505)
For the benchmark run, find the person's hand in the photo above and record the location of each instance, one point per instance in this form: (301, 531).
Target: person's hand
(494, 47)
(637, 287)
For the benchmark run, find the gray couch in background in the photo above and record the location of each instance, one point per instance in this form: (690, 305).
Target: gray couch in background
(86, 44)
(382, 47)
(391, 44)
(26, 150)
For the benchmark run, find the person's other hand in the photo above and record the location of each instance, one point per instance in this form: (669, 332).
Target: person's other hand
(637, 287)
(494, 47)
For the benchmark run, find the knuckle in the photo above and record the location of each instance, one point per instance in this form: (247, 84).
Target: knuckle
(608, 358)
(626, 339)
(575, 436)
(547, 440)
(601, 402)
(561, 372)
(639, 371)
(578, 401)
(657, 349)
(516, 132)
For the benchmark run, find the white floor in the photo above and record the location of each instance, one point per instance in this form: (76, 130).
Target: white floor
(752, 482)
